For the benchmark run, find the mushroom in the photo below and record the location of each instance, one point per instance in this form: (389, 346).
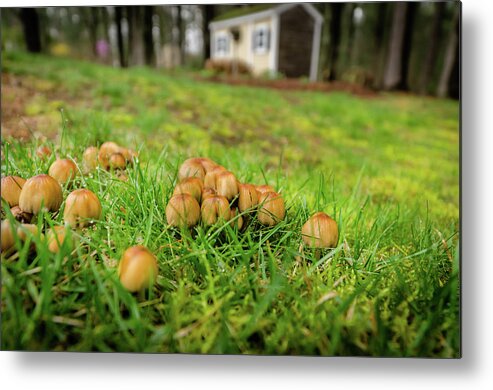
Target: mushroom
(320, 231)
(207, 163)
(43, 152)
(20, 215)
(226, 185)
(23, 232)
(183, 210)
(90, 158)
(7, 236)
(81, 208)
(190, 185)
(236, 219)
(248, 197)
(117, 161)
(105, 152)
(271, 208)
(26, 230)
(63, 170)
(11, 187)
(56, 238)
(40, 191)
(130, 155)
(207, 193)
(191, 168)
(264, 188)
(138, 269)
(214, 209)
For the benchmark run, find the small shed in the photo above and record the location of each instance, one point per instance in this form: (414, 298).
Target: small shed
(270, 38)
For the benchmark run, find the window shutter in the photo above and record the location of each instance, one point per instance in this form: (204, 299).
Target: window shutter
(267, 38)
(254, 40)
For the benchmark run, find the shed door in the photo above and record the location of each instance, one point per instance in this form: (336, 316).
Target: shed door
(295, 42)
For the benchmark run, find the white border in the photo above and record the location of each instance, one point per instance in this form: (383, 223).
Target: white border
(132, 371)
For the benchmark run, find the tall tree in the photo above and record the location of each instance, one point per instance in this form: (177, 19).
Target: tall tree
(351, 47)
(393, 68)
(208, 13)
(179, 26)
(432, 49)
(105, 23)
(335, 38)
(119, 37)
(93, 28)
(147, 36)
(407, 45)
(379, 36)
(451, 55)
(135, 16)
(30, 25)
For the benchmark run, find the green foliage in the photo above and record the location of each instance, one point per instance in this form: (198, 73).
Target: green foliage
(386, 168)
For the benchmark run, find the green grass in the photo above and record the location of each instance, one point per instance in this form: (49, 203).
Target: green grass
(386, 168)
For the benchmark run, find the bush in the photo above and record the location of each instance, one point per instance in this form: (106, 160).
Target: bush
(228, 66)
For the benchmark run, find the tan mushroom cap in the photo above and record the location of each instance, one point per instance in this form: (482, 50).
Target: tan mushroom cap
(183, 210)
(271, 208)
(214, 209)
(138, 269)
(320, 231)
(11, 187)
(81, 208)
(63, 170)
(40, 191)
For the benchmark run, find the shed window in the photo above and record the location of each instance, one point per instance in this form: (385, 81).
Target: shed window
(261, 39)
(222, 45)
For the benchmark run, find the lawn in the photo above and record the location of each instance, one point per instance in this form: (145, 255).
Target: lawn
(385, 167)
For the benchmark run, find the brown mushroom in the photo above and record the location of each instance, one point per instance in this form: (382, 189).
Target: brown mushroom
(81, 208)
(271, 208)
(40, 191)
(63, 170)
(138, 269)
(11, 187)
(320, 231)
(183, 210)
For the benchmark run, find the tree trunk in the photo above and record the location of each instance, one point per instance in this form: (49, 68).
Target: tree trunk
(106, 24)
(379, 34)
(393, 68)
(207, 16)
(147, 36)
(450, 56)
(44, 20)
(135, 35)
(93, 29)
(432, 50)
(335, 38)
(351, 50)
(179, 25)
(30, 25)
(403, 85)
(119, 37)
(163, 24)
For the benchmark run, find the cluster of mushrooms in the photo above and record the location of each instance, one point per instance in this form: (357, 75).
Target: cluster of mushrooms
(206, 193)
(44, 192)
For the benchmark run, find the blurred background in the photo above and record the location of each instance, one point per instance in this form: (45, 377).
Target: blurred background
(402, 46)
